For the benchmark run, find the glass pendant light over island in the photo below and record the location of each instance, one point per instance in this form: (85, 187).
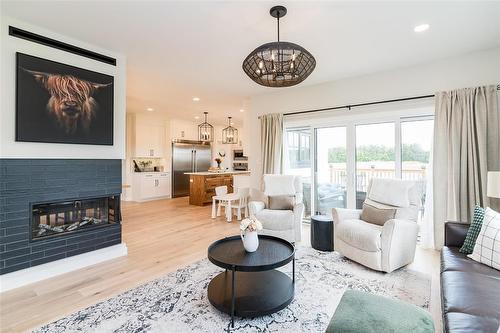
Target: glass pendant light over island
(229, 134)
(205, 130)
(279, 64)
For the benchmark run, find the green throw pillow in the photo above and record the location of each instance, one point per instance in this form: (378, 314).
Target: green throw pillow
(473, 232)
(360, 312)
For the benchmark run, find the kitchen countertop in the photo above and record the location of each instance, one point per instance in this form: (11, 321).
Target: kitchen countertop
(207, 173)
(142, 172)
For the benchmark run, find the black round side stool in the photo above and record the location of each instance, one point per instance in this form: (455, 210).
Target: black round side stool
(322, 232)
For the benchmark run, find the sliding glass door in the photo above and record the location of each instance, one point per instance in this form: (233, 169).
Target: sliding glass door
(337, 154)
(330, 169)
(298, 161)
(416, 143)
(337, 162)
(375, 156)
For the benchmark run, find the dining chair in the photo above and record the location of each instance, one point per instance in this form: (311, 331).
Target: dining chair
(220, 194)
(230, 201)
(239, 202)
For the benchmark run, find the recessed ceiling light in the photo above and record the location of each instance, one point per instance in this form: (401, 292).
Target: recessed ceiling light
(196, 99)
(150, 109)
(421, 27)
(241, 110)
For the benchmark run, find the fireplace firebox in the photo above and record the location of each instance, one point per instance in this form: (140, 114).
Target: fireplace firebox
(52, 219)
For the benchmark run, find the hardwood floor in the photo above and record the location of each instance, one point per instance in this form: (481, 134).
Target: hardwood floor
(161, 236)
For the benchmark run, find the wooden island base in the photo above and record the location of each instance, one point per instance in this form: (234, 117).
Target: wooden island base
(202, 185)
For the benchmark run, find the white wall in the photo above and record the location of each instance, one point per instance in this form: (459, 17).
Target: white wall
(9, 148)
(480, 68)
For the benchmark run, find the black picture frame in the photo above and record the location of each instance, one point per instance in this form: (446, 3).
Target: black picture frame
(60, 103)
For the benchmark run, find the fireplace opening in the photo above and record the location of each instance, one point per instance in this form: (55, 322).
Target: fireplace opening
(60, 218)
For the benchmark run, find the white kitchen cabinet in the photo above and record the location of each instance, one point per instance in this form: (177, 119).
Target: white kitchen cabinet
(163, 185)
(149, 137)
(184, 130)
(147, 186)
(151, 185)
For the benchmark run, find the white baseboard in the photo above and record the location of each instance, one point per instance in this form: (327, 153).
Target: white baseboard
(41, 272)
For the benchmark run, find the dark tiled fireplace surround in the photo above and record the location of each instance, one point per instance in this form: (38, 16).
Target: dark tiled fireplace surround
(27, 183)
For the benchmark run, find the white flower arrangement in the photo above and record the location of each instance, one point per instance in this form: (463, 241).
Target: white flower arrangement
(250, 224)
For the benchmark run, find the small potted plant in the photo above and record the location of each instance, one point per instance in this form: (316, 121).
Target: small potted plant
(248, 229)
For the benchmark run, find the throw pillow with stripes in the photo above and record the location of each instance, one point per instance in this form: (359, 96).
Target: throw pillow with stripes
(474, 229)
(487, 248)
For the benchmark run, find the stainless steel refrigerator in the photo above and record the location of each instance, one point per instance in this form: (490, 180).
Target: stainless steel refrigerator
(188, 156)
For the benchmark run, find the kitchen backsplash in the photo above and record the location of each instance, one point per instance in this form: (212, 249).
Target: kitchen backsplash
(148, 164)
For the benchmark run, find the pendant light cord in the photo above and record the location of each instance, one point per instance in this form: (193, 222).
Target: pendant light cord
(278, 18)
(278, 55)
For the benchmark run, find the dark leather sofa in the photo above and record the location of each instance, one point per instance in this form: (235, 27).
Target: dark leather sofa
(470, 291)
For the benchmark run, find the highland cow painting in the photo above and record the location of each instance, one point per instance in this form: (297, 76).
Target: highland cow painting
(62, 104)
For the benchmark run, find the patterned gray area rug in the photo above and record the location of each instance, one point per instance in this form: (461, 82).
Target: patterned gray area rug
(178, 302)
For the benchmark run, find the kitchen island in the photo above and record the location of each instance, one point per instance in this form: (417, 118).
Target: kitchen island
(202, 184)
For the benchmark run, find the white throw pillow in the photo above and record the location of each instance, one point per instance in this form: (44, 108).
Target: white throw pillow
(394, 192)
(487, 247)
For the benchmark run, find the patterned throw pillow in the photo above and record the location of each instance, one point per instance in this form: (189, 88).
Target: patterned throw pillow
(487, 248)
(474, 229)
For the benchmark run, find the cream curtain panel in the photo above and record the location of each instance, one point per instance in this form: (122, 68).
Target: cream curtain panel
(466, 146)
(271, 141)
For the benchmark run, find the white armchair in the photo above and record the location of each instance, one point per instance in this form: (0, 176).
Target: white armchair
(285, 224)
(381, 247)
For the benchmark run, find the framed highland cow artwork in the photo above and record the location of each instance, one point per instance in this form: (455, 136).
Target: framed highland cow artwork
(59, 103)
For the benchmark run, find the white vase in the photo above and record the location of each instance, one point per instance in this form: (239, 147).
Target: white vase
(250, 241)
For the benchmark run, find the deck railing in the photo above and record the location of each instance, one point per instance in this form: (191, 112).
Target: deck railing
(363, 176)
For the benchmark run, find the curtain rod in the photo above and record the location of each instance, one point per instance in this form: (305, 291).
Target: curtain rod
(349, 106)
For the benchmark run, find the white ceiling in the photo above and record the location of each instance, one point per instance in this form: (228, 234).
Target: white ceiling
(177, 50)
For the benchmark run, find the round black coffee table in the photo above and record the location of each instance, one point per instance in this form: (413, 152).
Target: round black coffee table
(250, 286)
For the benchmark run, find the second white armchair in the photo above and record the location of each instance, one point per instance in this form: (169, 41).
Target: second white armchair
(388, 244)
